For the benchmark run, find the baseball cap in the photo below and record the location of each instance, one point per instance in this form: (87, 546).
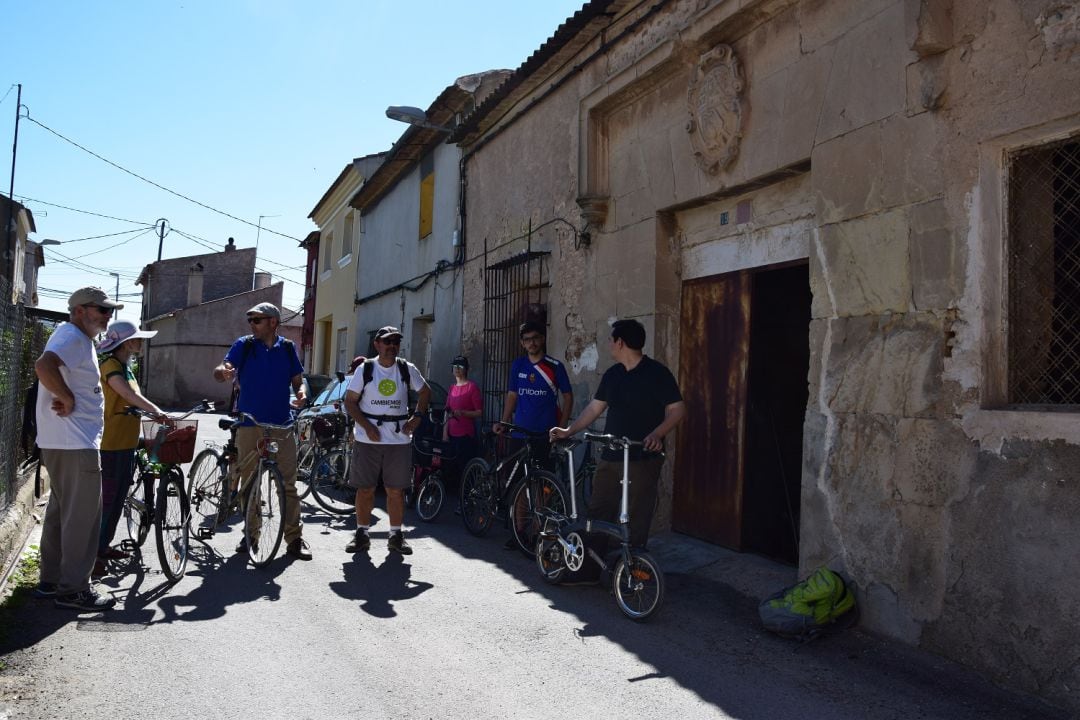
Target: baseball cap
(267, 309)
(388, 331)
(120, 332)
(91, 296)
(460, 361)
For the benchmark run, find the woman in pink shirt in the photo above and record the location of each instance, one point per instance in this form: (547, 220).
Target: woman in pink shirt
(463, 406)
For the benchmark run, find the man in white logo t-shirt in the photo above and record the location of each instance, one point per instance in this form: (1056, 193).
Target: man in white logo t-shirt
(70, 420)
(377, 399)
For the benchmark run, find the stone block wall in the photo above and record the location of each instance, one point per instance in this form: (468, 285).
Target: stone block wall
(872, 144)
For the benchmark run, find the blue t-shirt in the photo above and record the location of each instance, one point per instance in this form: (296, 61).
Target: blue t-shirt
(265, 375)
(539, 388)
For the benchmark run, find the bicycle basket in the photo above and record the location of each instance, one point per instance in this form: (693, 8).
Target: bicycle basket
(427, 449)
(171, 445)
(328, 430)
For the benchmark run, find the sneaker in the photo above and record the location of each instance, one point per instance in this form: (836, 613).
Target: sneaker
(299, 549)
(45, 590)
(397, 543)
(89, 600)
(241, 547)
(361, 542)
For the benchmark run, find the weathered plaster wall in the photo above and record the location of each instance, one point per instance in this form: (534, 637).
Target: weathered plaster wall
(945, 510)
(391, 252)
(873, 135)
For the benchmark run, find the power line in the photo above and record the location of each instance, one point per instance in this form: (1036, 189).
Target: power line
(85, 212)
(98, 237)
(205, 243)
(123, 242)
(157, 185)
(7, 93)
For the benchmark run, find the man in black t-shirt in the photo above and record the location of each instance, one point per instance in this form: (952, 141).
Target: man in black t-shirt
(643, 403)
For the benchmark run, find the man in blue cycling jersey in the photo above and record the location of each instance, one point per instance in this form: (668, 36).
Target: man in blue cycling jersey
(538, 395)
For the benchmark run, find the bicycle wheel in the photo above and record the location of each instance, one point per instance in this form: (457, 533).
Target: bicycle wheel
(478, 496)
(330, 482)
(264, 514)
(137, 508)
(549, 558)
(539, 489)
(206, 487)
(639, 587)
(305, 457)
(429, 500)
(171, 525)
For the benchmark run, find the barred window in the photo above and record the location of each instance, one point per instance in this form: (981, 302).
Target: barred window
(515, 291)
(1043, 229)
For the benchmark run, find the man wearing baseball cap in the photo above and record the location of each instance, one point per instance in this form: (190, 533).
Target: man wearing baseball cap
(378, 401)
(70, 419)
(266, 364)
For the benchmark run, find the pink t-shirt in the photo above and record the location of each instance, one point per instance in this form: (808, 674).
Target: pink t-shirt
(463, 397)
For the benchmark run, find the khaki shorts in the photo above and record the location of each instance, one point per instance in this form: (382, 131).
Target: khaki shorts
(370, 461)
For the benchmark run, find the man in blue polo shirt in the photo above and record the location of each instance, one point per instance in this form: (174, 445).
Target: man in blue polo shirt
(266, 365)
(538, 389)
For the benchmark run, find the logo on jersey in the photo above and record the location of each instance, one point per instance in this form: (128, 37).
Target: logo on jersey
(532, 377)
(387, 387)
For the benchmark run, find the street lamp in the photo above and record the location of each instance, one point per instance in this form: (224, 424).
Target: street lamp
(49, 241)
(414, 116)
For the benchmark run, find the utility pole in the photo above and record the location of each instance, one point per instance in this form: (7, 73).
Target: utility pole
(116, 295)
(161, 237)
(9, 231)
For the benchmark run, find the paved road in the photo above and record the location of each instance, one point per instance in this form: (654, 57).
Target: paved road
(461, 629)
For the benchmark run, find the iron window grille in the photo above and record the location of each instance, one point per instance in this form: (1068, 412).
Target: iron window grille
(1043, 231)
(515, 291)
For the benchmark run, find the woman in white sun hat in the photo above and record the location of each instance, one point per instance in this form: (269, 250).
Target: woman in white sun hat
(123, 341)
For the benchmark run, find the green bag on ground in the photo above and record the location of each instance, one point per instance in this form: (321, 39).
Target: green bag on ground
(804, 609)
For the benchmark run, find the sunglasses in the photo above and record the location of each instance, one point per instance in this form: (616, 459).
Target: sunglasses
(257, 320)
(102, 310)
(391, 341)
(532, 338)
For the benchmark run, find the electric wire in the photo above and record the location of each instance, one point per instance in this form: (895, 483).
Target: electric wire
(157, 185)
(84, 212)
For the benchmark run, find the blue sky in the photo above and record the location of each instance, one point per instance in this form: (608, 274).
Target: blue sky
(251, 107)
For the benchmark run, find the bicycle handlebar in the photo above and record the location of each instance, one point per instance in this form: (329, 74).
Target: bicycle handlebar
(612, 441)
(531, 434)
(203, 406)
(242, 416)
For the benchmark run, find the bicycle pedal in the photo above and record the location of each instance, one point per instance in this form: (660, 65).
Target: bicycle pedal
(128, 546)
(204, 533)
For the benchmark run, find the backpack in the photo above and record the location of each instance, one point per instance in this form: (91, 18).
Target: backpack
(249, 348)
(369, 372)
(804, 609)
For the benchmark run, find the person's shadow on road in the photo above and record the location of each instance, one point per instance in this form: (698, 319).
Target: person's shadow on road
(378, 588)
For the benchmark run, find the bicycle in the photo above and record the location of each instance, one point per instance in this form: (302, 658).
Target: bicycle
(428, 489)
(526, 489)
(328, 473)
(209, 489)
(636, 581)
(262, 495)
(164, 449)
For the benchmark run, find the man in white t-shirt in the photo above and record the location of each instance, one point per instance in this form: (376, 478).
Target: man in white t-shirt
(70, 420)
(377, 399)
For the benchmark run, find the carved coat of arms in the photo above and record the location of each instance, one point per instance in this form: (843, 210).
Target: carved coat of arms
(714, 101)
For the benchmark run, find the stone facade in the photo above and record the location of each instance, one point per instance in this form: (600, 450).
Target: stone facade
(868, 139)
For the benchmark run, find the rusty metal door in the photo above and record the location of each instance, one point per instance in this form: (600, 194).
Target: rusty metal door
(714, 348)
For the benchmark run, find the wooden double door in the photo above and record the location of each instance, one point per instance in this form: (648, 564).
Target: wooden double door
(743, 363)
